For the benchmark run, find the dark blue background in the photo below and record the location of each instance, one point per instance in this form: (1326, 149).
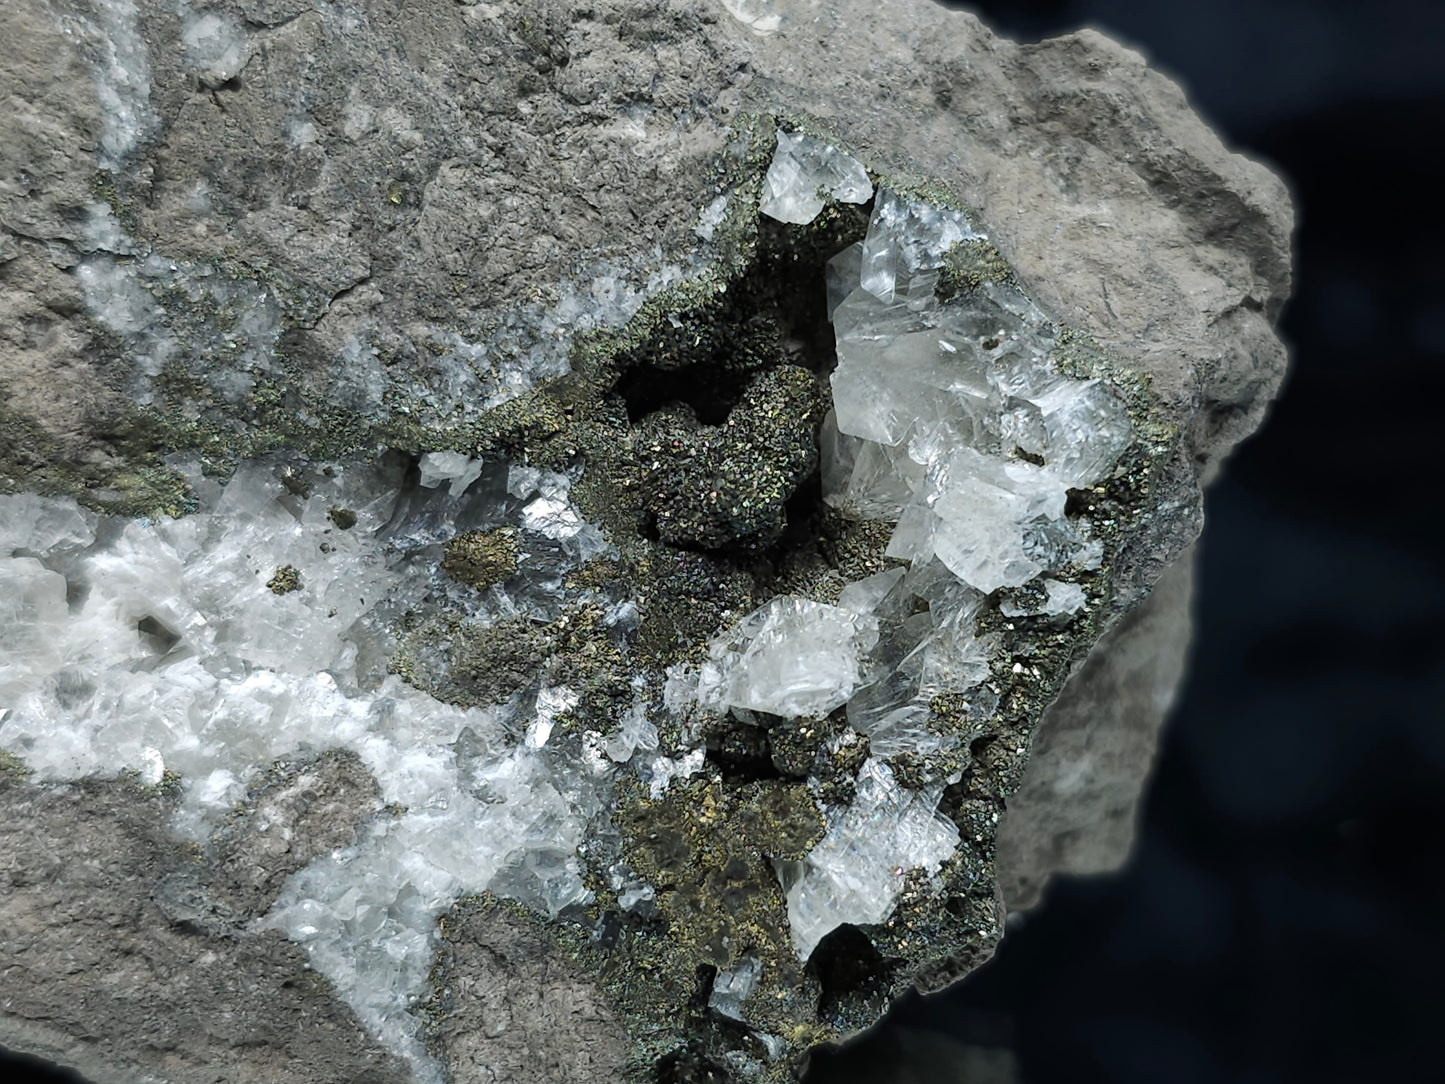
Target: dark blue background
(1281, 918)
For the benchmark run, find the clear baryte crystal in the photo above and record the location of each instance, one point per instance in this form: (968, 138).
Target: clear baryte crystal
(947, 417)
(906, 244)
(856, 873)
(711, 218)
(1058, 598)
(757, 15)
(164, 645)
(39, 525)
(793, 657)
(841, 275)
(455, 469)
(733, 985)
(802, 167)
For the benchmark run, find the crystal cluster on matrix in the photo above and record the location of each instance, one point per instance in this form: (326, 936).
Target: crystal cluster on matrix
(803, 172)
(949, 422)
(222, 329)
(184, 314)
(262, 625)
(156, 646)
(852, 874)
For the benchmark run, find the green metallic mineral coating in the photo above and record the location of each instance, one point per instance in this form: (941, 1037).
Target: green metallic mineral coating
(344, 518)
(710, 850)
(968, 265)
(726, 485)
(709, 519)
(286, 579)
(481, 558)
(12, 766)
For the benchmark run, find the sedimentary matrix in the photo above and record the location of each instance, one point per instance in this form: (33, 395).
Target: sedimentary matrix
(671, 630)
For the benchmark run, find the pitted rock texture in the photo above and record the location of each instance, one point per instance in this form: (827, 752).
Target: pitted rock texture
(100, 974)
(1076, 808)
(376, 224)
(303, 811)
(515, 1011)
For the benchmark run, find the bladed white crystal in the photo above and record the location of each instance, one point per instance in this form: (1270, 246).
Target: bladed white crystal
(793, 657)
(856, 873)
(802, 167)
(949, 422)
(162, 645)
(906, 244)
(456, 469)
(734, 985)
(711, 218)
(1059, 599)
(942, 412)
(757, 15)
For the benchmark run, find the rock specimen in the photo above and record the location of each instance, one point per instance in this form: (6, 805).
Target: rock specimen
(567, 517)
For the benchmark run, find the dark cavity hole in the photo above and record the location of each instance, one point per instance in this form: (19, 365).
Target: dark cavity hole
(775, 313)
(704, 357)
(741, 752)
(711, 395)
(690, 1065)
(849, 966)
(1077, 503)
(702, 991)
(75, 594)
(17, 1066)
(804, 510)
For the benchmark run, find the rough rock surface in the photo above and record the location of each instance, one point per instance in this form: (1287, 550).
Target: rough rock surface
(1089, 760)
(517, 1009)
(338, 205)
(106, 969)
(303, 811)
(454, 159)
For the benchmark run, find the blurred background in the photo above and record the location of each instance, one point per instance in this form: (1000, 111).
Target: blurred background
(1281, 917)
(1280, 920)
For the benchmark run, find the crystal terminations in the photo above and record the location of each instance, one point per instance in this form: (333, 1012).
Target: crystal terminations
(948, 424)
(603, 690)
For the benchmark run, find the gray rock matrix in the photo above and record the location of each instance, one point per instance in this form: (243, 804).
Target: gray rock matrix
(456, 161)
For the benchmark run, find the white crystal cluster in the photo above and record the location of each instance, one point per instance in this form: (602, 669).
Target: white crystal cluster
(948, 418)
(165, 645)
(949, 422)
(121, 288)
(215, 45)
(793, 657)
(853, 874)
(757, 15)
(109, 37)
(803, 171)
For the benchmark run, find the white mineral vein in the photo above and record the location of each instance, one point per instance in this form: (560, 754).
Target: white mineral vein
(176, 645)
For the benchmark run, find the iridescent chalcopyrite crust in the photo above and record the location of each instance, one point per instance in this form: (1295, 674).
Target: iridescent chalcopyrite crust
(701, 659)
